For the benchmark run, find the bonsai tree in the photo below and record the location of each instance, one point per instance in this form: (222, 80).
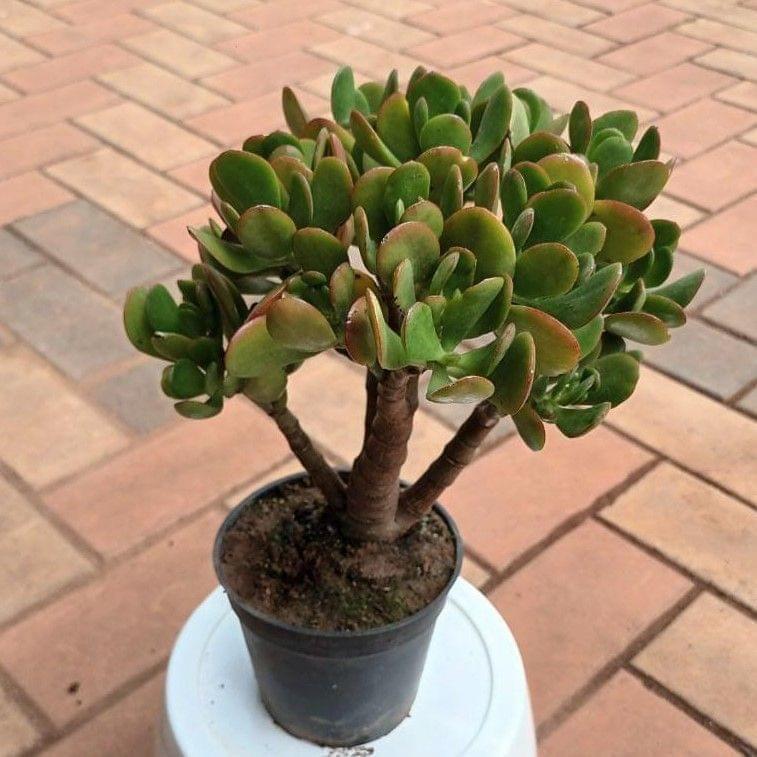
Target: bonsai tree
(510, 260)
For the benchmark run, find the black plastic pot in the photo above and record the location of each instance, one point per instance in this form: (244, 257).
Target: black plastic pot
(338, 688)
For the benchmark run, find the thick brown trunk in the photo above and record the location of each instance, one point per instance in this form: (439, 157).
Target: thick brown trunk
(321, 473)
(419, 498)
(373, 490)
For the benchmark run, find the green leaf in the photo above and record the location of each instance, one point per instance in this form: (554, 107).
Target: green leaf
(618, 375)
(394, 126)
(464, 390)
(589, 334)
(609, 151)
(462, 312)
(186, 379)
(588, 239)
(530, 427)
(519, 122)
(649, 145)
(557, 350)
(439, 161)
(266, 388)
(487, 88)
(522, 228)
(625, 121)
(370, 142)
(580, 127)
(540, 114)
(298, 325)
(389, 348)
(403, 285)
(573, 169)
(358, 334)
(161, 310)
(513, 194)
(579, 306)
(243, 180)
(446, 129)
(294, 113)
(451, 199)
(202, 350)
(232, 256)
(493, 126)
(300, 201)
(514, 376)
(480, 231)
(332, 194)
(638, 327)
(426, 212)
(440, 93)
(317, 250)
(252, 352)
(577, 421)
(343, 95)
(412, 241)
(635, 184)
(199, 410)
(486, 192)
(369, 195)
(266, 232)
(481, 361)
(545, 270)
(419, 336)
(667, 310)
(629, 234)
(136, 324)
(410, 183)
(538, 145)
(683, 290)
(558, 213)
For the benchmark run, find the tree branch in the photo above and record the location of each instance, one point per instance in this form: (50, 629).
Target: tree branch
(419, 498)
(321, 473)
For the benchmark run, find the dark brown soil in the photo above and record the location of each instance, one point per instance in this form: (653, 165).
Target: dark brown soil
(286, 557)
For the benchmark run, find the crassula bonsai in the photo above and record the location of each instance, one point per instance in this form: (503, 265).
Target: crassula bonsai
(478, 238)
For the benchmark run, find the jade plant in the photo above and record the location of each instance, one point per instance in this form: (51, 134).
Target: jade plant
(480, 239)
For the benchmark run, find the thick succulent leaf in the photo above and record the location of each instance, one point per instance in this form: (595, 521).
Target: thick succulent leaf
(447, 265)
(425, 212)
(618, 375)
(451, 199)
(649, 145)
(519, 122)
(202, 350)
(577, 421)
(161, 310)
(412, 241)
(514, 376)
(625, 121)
(199, 410)
(638, 327)
(446, 129)
(266, 232)
(300, 208)
(419, 336)
(403, 285)
(609, 150)
(557, 350)
(629, 233)
(332, 194)
(667, 310)
(286, 166)
(317, 250)
(589, 335)
(513, 193)
(487, 88)
(545, 270)
(315, 126)
(493, 127)
(409, 183)
(298, 325)
(252, 352)
(185, 379)
(358, 334)
(136, 324)
(439, 160)
(481, 361)
(464, 311)
(243, 180)
(486, 191)
(395, 127)
(539, 112)
(464, 390)
(573, 169)
(538, 145)
(440, 93)
(343, 95)
(390, 351)
(266, 388)
(521, 229)
(376, 93)
(234, 257)
(530, 427)
(635, 184)
(369, 195)
(580, 127)
(294, 113)
(588, 239)
(480, 231)
(579, 306)
(370, 142)
(666, 233)
(494, 317)
(536, 178)
(683, 290)
(558, 213)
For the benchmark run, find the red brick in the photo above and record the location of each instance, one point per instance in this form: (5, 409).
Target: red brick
(50, 107)
(458, 16)
(655, 53)
(70, 68)
(283, 12)
(86, 11)
(145, 490)
(638, 22)
(173, 234)
(42, 146)
(625, 719)
(194, 176)
(263, 45)
(578, 605)
(472, 74)
(511, 498)
(27, 194)
(465, 46)
(108, 632)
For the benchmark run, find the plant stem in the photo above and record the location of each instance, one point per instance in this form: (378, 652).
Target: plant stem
(321, 473)
(373, 490)
(371, 397)
(419, 498)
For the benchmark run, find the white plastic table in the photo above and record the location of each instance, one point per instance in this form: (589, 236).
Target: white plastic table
(473, 698)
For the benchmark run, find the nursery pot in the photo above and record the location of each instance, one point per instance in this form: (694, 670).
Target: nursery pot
(337, 688)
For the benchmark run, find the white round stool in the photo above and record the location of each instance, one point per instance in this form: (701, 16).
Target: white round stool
(473, 698)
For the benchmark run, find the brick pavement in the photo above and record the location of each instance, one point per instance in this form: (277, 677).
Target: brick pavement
(624, 561)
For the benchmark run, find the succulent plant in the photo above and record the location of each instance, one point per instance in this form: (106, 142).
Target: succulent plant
(509, 259)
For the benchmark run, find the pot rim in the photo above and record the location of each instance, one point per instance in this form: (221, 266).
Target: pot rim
(316, 633)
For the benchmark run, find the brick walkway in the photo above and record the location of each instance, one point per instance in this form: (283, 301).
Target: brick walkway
(625, 562)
